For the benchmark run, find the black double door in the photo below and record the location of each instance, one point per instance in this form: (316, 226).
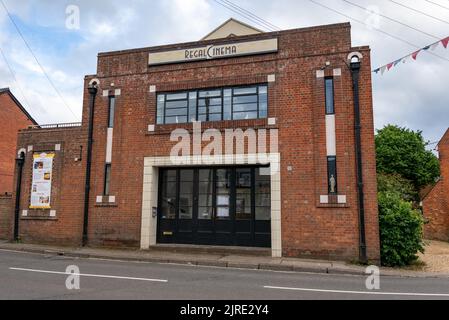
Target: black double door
(215, 206)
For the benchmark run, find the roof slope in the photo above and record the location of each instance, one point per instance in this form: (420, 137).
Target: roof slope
(18, 104)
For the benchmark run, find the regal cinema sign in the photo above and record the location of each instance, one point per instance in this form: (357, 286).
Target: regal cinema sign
(214, 52)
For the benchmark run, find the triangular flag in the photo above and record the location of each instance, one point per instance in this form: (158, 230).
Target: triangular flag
(397, 62)
(434, 46)
(390, 65)
(382, 70)
(377, 70)
(426, 48)
(415, 54)
(445, 42)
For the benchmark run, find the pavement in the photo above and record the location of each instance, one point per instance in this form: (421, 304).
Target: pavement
(49, 276)
(224, 258)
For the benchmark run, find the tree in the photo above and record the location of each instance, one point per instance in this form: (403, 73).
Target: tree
(402, 151)
(395, 183)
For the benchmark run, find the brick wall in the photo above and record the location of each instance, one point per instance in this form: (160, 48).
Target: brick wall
(296, 100)
(436, 203)
(12, 119)
(67, 197)
(6, 207)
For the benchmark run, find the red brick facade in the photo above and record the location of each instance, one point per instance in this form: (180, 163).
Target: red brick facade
(6, 207)
(296, 100)
(13, 118)
(436, 203)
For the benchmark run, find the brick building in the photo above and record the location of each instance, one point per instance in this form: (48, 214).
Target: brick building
(168, 165)
(13, 117)
(436, 202)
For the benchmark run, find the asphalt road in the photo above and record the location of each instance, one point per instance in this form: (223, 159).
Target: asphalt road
(34, 276)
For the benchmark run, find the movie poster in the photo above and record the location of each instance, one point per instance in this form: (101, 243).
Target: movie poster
(41, 184)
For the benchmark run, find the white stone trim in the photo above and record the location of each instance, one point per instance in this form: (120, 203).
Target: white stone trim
(342, 199)
(151, 128)
(271, 78)
(331, 140)
(109, 145)
(52, 213)
(152, 88)
(30, 148)
(320, 73)
(20, 151)
(24, 213)
(118, 92)
(272, 121)
(105, 93)
(324, 199)
(99, 199)
(337, 72)
(150, 192)
(58, 147)
(111, 199)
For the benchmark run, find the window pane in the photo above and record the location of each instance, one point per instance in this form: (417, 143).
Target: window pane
(249, 90)
(177, 119)
(227, 108)
(176, 112)
(160, 109)
(263, 110)
(111, 112)
(245, 99)
(192, 106)
(206, 94)
(263, 90)
(176, 104)
(215, 117)
(263, 213)
(168, 195)
(330, 96)
(177, 96)
(245, 107)
(107, 179)
(205, 213)
(186, 195)
(245, 115)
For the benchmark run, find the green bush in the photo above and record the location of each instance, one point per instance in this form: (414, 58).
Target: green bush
(401, 230)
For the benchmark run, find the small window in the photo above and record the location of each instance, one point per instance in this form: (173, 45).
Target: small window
(111, 112)
(107, 179)
(332, 175)
(330, 109)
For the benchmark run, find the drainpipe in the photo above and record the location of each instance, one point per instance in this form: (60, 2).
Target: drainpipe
(355, 71)
(19, 163)
(93, 89)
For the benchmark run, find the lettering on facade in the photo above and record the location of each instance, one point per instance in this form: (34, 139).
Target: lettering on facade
(214, 52)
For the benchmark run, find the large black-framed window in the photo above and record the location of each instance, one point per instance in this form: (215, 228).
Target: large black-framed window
(218, 104)
(329, 89)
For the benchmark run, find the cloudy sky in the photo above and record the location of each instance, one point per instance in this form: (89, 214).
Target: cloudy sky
(414, 94)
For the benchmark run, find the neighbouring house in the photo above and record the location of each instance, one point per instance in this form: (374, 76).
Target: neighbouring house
(290, 186)
(13, 117)
(436, 201)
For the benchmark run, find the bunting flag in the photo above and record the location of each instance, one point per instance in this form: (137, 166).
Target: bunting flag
(413, 56)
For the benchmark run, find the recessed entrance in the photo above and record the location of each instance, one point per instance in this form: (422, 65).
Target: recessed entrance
(224, 206)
